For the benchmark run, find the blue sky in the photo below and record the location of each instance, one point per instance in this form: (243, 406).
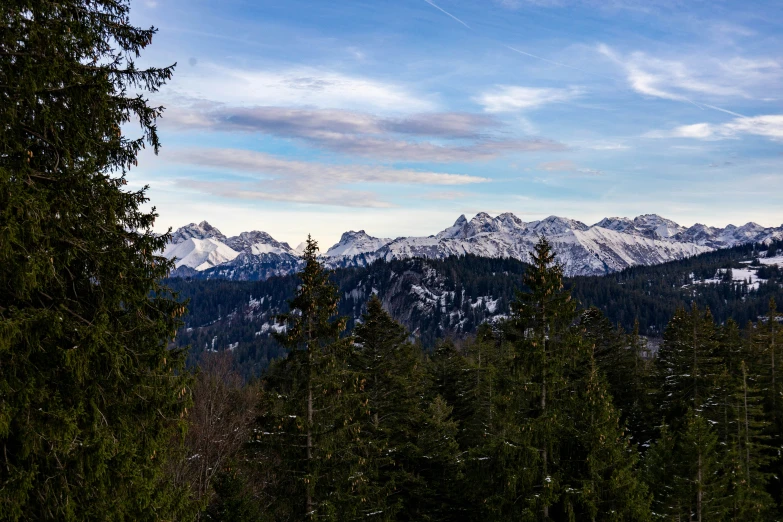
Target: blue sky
(397, 116)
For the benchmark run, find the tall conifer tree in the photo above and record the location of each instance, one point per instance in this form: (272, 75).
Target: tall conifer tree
(90, 394)
(312, 420)
(393, 376)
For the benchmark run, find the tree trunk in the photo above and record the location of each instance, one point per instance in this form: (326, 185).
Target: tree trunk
(699, 491)
(747, 424)
(544, 442)
(309, 444)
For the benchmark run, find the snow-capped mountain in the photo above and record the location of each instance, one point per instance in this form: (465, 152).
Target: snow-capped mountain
(250, 255)
(354, 243)
(730, 235)
(607, 246)
(647, 225)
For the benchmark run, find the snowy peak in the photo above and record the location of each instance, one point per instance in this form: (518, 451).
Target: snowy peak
(199, 254)
(482, 223)
(556, 226)
(730, 235)
(618, 224)
(651, 226)
(609, 245)
(455, 229)
(508, 222)
(354, 243)
(201, 231)
(657, 227)
(257, 243)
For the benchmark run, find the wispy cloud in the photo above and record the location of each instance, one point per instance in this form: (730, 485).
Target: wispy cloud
(273, 167)
(296, 87)
(446, 13)
(696, 78)
(297, 193)
(274, 178)
(568, 166)
(769, 126)
(512, 98)
(469, 137)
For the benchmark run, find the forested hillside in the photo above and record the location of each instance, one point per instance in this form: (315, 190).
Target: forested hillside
(436, 299)
(550, 414)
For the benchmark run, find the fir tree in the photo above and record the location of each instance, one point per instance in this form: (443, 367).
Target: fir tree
(748, 453)
(620, 358)
(90, 394)
(440, 467)
(312, 421)
(393, 376)
(610, 487)
(689, 367)
(547, 349)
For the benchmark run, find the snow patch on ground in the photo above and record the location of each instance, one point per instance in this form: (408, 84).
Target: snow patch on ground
(738, 275)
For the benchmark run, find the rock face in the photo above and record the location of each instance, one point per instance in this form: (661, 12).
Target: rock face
(607, 246)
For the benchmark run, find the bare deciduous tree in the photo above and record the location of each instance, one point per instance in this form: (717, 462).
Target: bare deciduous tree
(219, 423)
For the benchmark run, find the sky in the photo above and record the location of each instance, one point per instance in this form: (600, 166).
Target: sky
(397, 116)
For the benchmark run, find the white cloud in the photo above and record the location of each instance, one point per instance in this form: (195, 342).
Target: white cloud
(769, 126)
(695, 76)
(471, 136)
(511, 98)
(273, 167)
(278, 179)
(296, 87)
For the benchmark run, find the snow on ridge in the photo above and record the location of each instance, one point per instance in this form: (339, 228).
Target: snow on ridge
(354, 243)
(609, 245)
(199, 254)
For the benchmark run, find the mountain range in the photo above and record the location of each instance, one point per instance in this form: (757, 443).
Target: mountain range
(612, 244)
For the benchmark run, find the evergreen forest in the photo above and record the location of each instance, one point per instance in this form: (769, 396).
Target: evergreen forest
(494, 391)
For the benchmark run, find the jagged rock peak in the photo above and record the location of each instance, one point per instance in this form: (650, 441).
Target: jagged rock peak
(481, 223)
(257, 241)
(193, 231)
(556, 225)
(353, 235)
(355, 242)
(454, 230)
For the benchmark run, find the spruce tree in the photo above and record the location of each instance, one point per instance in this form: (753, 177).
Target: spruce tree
(610, 487)
(312, 420)
(90, 393)
(619, 357)
(689, 367)
(547, 349)
(393, 377)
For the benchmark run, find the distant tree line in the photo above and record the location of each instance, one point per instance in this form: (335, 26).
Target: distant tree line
(220, 314)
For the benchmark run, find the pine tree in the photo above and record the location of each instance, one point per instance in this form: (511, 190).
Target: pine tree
(619, 357)
(393, 376)
(660, 468)
(700, 487)
(491, 440)
(90, 394)
(312, 421)
(689, 366)
(547, 350)
(767, 340)
(439, 467)
(748, 453)
(610, 487)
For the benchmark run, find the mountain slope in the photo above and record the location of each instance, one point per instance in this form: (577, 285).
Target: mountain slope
(451, 297)
(608, 246)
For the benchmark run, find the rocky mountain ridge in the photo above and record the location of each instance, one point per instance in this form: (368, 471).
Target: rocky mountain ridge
(610, 245)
